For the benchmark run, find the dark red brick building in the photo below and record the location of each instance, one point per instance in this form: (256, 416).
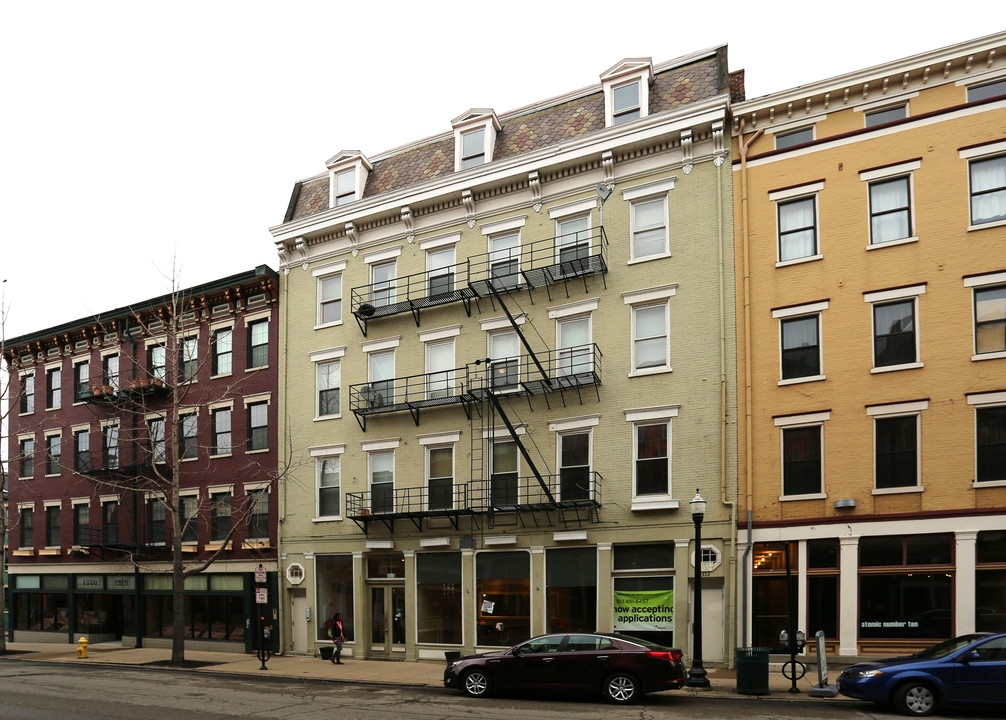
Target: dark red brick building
(118, 423)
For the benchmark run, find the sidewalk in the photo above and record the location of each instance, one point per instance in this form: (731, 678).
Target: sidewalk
(723, 681)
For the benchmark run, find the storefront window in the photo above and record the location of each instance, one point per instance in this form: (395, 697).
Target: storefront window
(990, 582)
(385, 565)
(890, 550)
(906, 606)
(335, 593)
(822, 587)
(644, 591)
(571, 580)
(772, 591)
(503, 597)
(46, 612)
(438, 590)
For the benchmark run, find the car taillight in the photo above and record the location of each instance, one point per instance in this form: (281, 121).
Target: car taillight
(669, 656)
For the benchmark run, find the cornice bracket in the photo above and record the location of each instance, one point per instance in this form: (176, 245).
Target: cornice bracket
(410, 224)
(719, 149)
(354, 239)
(608, 166)
(469, 202)
(686, 150)
(534, 182)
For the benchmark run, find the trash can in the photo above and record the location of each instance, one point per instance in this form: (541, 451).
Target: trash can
(326, 651)
(452, 656)
(752, 670)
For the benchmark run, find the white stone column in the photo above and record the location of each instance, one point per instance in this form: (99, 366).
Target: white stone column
(801, 590)
(848, 596)
(605, 597)
(964, 582)
(539, 607)
(682, 606)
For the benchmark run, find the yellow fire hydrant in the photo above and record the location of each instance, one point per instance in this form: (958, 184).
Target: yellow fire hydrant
(82, 648)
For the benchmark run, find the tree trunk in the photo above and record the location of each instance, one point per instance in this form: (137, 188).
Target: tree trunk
(178, 584)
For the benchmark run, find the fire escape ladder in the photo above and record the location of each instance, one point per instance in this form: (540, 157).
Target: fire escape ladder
(520, 446)
(513, 323)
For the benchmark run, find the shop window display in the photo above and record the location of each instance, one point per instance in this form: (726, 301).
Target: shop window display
(571, 580)
(335, 593)
(438, 591)
(503, 597)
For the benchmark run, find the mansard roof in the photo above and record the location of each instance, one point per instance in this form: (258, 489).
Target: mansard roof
(697, 77)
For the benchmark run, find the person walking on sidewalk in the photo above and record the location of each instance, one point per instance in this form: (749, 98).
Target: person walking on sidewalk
(335, 632)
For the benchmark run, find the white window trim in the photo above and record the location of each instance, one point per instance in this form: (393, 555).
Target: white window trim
(250, 318)
(379, 445)
(441, 438)
(437, 334)
(320, 277)
(978, 282)
(380, 256)
(884, 296)
(501, 226)
(582, 422)
(334, 268)
(892, 172)
(653, 416)
(887, 104)
(891, 410)
(797, 421)
(581, 307)
(427, 447)
(389, 343)
(329, 354)
(317, 390)
(633, 259)
(577, 207)
(501, 433)
(501, 323)
(322, 451)
(440, 242)
(666, 368)
(649, 190)
(247, 400)
(980, 153)
(795, 311)
(587, 430)
(625, 72)
(475, 119)
(320, 455)
(979, 401)
(796, 193)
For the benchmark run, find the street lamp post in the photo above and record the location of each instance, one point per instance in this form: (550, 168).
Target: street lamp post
(696, 673)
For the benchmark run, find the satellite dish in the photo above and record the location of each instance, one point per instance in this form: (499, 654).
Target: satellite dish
(365, 310)
(604, 191)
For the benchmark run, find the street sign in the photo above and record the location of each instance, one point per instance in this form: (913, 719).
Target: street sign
(260, 574)
(262, 596)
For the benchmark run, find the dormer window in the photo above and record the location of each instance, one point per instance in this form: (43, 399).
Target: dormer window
(627, 91)
(625, 105)
(474, 138)
(347, 176)
(473, 148)
(345, 187)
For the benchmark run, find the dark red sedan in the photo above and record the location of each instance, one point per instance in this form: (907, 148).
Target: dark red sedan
(621, 668)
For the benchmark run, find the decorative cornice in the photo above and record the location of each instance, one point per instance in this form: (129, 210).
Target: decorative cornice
(410, 224)
(534, 182)
(469, 203)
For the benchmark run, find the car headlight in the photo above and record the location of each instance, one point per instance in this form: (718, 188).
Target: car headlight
(868, 673)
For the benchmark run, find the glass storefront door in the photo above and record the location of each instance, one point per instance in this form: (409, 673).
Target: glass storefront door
(387, 619)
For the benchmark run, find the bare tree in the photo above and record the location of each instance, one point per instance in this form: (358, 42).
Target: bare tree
(6, 403)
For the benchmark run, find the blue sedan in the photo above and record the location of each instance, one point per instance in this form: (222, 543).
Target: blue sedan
(967, 670)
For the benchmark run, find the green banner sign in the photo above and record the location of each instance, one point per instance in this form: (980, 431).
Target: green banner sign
(644, 610)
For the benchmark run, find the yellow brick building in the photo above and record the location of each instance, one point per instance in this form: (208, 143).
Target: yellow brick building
(508, 365)
(870, 217)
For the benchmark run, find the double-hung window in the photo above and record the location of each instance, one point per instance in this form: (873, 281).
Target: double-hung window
(440, 272)
(988, 189)
(503, 478)
(895, 338)
(110, 370)
(651, 456)
(27, 523)
(54, 385)
(188, 436)
(989, 314)
(651, 330)
(800, 342)
(504, 260)
(885, 115)
(382, 283)
(158, 441)
(157, 363)
(798, 229)
(330, 299)
(802, 454)
(329, 485)
(440, 369)
(990, 436)
(382, 480)
(110, 522)
(793, 137)
(574, 466)
(345, 187)
(258, 344)
(890, 202)
(188, 355)
(440, 477)
(574, 354)
(53, 454)
(189, 507)
(221, 509)
(572, 245)
(82, 450)
(52, 526)
(110, 447)
(81, 379)
(81, 524)
(896, 431)
(221, 431)
(381, 390)
(223, 351)
(504, 360)
(258, 426)
(157, 530)
(28, 393)
(329, 379)
(26, 457)
(473, 151)
(625, 104)
(257, 500)
(649, 228)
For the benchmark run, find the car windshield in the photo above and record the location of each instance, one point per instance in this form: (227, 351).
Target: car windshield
(941, 650)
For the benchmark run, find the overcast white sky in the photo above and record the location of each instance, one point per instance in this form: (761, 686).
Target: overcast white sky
(133, 133)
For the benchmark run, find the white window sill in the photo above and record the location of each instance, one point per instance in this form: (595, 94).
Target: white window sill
(812, 496)
(327, 518)
(989, 356)
(660, 503)
(189, 459)
(221, 455)
(221, 375)
(798, 261)
(799, 380)
(992, 224)
(322, 326)
(319, 418)
(892, 243)
(260, 367)
(49, 551)
(898, 491)
(48, 475)
(30, 412)
(651, 371)
(988, 484)
(648, 258)
(256, 452)
(895, 368)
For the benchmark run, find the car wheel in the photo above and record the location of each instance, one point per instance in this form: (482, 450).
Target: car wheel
(476, 684)
(621, 688)
(915, 698)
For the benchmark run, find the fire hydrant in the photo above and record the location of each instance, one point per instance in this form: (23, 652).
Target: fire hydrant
(82, 648)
